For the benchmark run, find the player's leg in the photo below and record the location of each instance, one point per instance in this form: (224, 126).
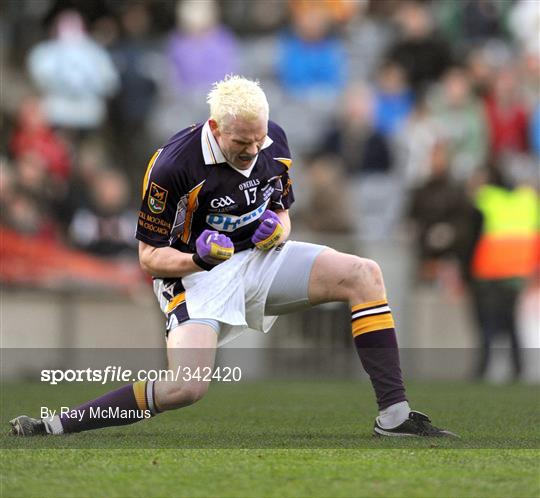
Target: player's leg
(191, 352)
(189, 346)
(486, 324)
(343, 277)
(334, 276)
(325, 275)
(508, 306)
(359, 281)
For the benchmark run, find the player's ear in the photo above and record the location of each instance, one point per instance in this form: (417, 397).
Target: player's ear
(214, 128)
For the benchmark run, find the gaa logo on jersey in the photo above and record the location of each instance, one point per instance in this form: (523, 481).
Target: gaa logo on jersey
(157, 198)
(221, 202)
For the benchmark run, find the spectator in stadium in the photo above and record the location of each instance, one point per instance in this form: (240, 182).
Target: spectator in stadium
(483, 20)
(201, 50)
(328, 195)
(424, 55)
(213, 230)
(105, 227)
(92, 160)
(393, 99)
(471, 23)
(311, 57)
(524, 19)
(33, 135)
(367, 37)
(368, 160)
(353, 137)
(459, 118)
(75, 75)
(33, 178)
(504, 259)
(506, 115)
(440, 211)
(255, 18)
(481, 70)
(133, 57)
(414, 145)
(30, 199)
(25, 215)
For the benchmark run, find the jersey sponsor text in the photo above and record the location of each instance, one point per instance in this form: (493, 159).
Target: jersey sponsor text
(230, 223)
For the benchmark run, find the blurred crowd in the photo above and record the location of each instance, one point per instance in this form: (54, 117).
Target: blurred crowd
(394, 109)
(421, 115)
(384, 101)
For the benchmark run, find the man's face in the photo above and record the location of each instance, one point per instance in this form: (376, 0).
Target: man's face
(240, 140)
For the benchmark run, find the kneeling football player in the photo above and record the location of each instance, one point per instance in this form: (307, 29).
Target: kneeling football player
(213, 230)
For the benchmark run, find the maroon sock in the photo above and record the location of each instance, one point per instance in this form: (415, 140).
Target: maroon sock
(376, 344)
(124, 406)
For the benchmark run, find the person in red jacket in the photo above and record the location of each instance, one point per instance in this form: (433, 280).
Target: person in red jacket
(506, 115)
(34, 135)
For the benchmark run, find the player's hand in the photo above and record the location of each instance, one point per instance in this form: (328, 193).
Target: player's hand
(212, 248)
(268, 232)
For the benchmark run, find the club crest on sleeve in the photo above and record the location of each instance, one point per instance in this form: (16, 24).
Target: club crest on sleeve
(157, 199)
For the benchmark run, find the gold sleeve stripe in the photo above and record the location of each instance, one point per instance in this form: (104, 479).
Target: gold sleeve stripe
(284, 160)
(149, 171)
(372, 324)
(192, 205)
(139, 389)
(370, 304)
(176, 301)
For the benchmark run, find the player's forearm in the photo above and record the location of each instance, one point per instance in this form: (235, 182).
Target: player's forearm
(166, 262)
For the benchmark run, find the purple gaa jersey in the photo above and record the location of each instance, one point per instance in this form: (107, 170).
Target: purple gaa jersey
(189, 187)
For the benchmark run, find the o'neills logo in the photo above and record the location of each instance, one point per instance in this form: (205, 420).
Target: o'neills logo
(157, 198)
(229, 223)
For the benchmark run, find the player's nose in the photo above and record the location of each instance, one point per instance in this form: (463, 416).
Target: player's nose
(252, 149)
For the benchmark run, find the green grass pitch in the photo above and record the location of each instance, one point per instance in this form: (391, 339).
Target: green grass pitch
(298, 438)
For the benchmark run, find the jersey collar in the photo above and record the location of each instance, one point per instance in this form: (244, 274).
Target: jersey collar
(212, 153)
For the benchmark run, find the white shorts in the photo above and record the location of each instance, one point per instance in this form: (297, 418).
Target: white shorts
(247, 292)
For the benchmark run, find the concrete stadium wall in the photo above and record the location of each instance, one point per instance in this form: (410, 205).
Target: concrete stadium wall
(427, 320)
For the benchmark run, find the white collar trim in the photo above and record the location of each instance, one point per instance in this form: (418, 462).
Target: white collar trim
(212, 153)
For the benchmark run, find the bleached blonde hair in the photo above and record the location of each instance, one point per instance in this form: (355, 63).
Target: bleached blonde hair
(237, 97)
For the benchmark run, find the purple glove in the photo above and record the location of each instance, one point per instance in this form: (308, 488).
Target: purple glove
(268, 232)
(212, 248)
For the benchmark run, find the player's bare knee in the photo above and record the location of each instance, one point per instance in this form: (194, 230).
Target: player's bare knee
(193, 392)
(347, 278)
(365, 281)
(184, 394)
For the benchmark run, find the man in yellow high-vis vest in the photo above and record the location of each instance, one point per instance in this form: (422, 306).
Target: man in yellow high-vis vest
(506, 255)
